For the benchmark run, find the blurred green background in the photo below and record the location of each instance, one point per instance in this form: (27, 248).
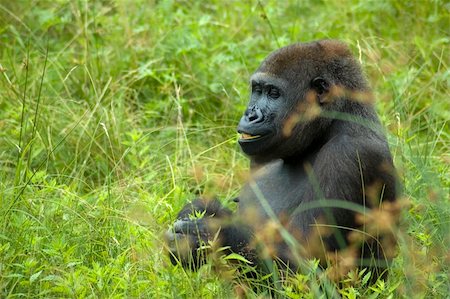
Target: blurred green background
(113, 114)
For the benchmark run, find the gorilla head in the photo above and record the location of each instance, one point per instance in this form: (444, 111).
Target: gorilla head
(292, 94)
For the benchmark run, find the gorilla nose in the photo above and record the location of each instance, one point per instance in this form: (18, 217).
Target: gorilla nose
(254, 115)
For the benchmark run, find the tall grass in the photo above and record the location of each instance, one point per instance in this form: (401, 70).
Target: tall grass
(113, 114)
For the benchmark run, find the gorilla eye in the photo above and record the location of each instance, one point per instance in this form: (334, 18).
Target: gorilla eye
(256, 88)
(320, 85)
(273, 92)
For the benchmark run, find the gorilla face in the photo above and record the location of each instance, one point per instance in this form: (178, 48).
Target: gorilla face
(282, 119)
(258, 126)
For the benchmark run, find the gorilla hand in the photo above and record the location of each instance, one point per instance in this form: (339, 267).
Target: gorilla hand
(190, 233)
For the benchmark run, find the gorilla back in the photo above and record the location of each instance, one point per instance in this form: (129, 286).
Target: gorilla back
(321, 168)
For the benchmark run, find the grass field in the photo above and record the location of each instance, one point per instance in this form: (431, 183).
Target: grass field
(114, 114)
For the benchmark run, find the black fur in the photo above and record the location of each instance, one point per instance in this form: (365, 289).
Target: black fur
(321, 158)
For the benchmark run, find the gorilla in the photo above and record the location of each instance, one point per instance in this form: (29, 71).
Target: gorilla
(322, 182)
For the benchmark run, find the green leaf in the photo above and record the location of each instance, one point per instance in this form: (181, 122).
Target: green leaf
(366, 278)
(35, 276)
(235, 256)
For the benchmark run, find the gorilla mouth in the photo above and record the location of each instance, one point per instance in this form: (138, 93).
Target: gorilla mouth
(246, 136)
(254, 144)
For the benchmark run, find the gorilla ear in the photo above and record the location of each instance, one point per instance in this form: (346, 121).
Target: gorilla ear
(321, 86)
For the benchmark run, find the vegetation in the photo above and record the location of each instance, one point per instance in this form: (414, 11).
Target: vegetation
(113, 114)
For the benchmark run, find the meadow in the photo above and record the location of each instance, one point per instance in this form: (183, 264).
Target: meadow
(114, 114)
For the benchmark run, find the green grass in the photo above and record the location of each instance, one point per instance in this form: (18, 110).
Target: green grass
(113, 114)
